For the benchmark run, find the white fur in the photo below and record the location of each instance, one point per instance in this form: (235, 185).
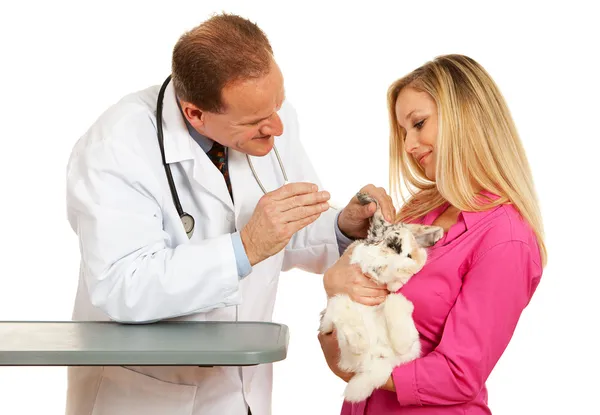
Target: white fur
(373, 340)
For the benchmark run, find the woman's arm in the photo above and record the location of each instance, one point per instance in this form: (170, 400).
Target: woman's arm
(479, 327)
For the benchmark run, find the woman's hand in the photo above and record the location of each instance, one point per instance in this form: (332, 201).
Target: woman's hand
(346, 278)
(331, 351)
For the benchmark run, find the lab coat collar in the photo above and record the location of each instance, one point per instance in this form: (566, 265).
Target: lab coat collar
(177, 140)
(204, 142)
(180, 147)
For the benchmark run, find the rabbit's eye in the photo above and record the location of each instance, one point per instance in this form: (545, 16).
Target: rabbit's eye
(409, 256)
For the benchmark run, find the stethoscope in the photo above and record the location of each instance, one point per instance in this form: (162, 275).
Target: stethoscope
(186, 219)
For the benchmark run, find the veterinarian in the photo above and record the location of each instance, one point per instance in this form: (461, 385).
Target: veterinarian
(185, 209)
(472, 178)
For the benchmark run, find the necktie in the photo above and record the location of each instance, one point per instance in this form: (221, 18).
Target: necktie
(218, 155)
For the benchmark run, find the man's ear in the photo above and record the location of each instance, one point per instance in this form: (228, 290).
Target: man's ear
(425, 235)
(194, 115)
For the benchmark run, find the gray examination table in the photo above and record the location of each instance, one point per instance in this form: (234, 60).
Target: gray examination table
(68, 343)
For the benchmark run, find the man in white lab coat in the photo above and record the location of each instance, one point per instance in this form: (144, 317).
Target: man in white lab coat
(222, 112)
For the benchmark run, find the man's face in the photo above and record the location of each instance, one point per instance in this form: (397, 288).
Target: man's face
(250, 121)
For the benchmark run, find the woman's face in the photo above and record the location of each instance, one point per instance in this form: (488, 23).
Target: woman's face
(417, 115)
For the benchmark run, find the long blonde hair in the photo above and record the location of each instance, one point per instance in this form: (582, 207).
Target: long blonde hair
(478, 146)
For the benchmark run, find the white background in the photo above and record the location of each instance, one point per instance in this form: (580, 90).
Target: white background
(63, 64)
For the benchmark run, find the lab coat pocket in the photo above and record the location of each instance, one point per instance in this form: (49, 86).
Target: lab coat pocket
(124, 391)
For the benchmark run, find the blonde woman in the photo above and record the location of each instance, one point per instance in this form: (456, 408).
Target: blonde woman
(456, 148)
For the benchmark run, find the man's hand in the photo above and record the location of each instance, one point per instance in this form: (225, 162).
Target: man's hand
(354, 218)
(278, 215)
(345, 278)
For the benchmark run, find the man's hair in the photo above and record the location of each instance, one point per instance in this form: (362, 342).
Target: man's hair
(222, 50)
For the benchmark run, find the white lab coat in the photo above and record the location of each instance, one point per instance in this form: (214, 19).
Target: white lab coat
(138, 264)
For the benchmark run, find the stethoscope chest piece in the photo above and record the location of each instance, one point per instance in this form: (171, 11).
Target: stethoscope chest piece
(188, 224)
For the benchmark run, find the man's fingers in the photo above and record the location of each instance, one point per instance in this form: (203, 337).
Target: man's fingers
(302, 212)
(385, 201)
(387, 206)
(308, 199)
(361, 212)
(369, 210)
(299, 224)
(293, 189)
